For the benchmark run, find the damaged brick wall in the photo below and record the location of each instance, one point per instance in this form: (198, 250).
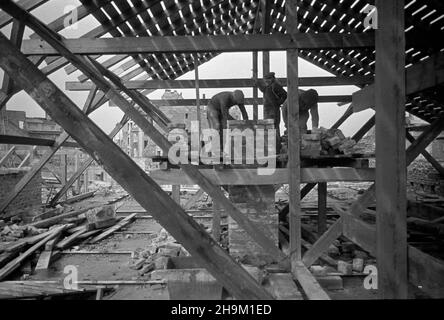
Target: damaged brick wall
(30, 197)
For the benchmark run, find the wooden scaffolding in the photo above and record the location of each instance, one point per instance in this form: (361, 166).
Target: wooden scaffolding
(159, 41)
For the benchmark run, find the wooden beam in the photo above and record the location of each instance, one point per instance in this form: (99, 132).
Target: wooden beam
(255, 89)
(29, 141)
(185, 44)
(127, 173)
(294, 158)
(427, 155)
(225, 83)
(323, 243)
(322, 208)
(14, 264)
(248, 101)
(251, 176)
(391, 172)
(419, 77)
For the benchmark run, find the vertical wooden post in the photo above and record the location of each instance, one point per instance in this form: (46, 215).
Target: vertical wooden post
(255, 91)
(216, 220)
(196, 76)
(265, 30)
(390, 151)
(86, 180)
(175, 193)
(293, 139)
(322, 207)
(64, 170)
(76, 167)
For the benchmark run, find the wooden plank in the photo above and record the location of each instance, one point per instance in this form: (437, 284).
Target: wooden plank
(321, 246)
(71, 239)
(391, 201)
(248, 101)
(127, 220)
(255, 89)
(419, 77)
(322, 208)
(184, 44)
(251, 176)
(216, 227)
(294, 158)
(309, 284)
(8, 139)
(175, 194)
(14, 264)
(224, 83)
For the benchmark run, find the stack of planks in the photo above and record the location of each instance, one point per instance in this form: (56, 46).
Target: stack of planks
(63, 232)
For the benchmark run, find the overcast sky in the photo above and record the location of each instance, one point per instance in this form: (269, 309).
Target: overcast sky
(224, 66)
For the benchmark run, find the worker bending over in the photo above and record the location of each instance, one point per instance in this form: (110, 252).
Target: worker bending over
(308, 103)
(220, 104)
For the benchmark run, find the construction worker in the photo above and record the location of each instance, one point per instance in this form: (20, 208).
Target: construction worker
(219, 105)
(308, 103)
(274, 97)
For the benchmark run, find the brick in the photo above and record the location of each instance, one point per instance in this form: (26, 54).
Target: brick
(345, 268)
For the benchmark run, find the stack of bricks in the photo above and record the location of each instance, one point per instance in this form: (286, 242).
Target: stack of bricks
(422, 177)
(28, 199)
(258, 203)
(311, 145)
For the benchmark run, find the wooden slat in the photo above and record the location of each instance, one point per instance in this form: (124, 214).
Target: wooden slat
(224, 83)
(322, 208)
(8, 139)
(419, 77)
(391, 202)
(294, 159)
(184, 44)
(323, 243)
(14, 264)
(251, 176)
(248, 101)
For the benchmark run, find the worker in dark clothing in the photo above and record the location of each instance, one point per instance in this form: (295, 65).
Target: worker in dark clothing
(274, 97)
(308, 103)
(219, 106)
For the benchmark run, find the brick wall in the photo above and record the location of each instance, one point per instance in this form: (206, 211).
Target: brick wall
(29, 198)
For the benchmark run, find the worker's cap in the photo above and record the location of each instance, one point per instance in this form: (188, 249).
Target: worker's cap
(269, 75)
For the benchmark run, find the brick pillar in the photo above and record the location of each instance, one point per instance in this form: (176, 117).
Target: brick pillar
(258, 203)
